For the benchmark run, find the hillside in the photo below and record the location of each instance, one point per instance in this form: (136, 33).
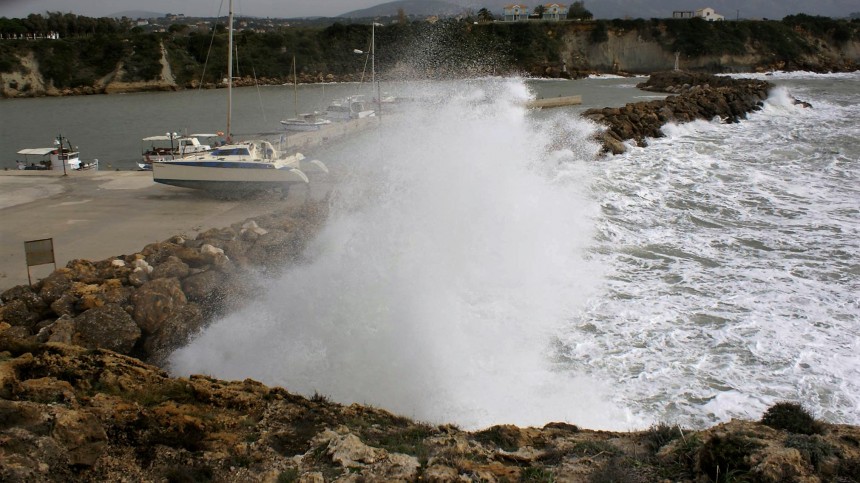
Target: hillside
(409, 7)
(117, 60)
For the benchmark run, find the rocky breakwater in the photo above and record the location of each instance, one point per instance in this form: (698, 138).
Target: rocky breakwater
(148, 303)
(694, 96)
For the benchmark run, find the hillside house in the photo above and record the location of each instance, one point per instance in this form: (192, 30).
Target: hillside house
(516, 12)
(709, 14)
(554, 11)
(706, 13)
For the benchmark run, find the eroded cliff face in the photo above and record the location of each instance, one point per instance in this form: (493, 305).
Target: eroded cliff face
(629, 52)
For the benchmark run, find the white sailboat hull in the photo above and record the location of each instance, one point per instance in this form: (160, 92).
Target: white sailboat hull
(226, 177)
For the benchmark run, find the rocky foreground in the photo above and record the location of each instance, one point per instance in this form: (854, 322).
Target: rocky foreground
(82, 396)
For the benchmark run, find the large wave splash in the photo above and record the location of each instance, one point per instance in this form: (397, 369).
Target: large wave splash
(455, 250)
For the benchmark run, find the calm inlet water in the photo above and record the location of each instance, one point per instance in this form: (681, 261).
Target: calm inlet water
(481, 265)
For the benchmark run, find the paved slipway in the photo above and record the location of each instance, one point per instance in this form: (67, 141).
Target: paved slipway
(96, 215)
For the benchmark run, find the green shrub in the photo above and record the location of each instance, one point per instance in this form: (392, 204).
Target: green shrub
(791, 417)
(812, 448)
(505, 437)
(726, 458)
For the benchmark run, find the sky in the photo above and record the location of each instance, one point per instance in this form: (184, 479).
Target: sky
(207, 8)
(774, 9)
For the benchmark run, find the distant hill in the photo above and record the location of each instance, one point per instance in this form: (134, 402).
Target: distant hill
(772, 9)
(137, 14)
(410, 7)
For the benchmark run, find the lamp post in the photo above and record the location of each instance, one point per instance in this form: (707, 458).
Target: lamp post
(59, 142)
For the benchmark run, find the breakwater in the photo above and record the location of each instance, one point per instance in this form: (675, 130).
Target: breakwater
(695, 96)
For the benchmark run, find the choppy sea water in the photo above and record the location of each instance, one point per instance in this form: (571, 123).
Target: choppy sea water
(482, 266)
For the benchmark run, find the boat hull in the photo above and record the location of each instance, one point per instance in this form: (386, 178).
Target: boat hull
(220, 178)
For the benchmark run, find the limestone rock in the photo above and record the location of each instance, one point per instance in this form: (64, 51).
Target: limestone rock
(203, 285)
(106, 327)
(156, 301)
(172, 267)
(55, 285)
(61, 331)
(16, 313)
(82, 435)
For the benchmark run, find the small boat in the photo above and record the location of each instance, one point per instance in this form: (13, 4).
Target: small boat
(352, 107)
(171, 146)
(308, 121)
(236, 167)
(61, 157)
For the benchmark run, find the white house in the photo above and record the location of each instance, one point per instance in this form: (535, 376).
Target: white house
(515, 12)
(709, 14)
(554, 11)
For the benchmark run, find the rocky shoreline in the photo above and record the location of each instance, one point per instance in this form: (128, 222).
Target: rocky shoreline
(82, 396)
(694, 96)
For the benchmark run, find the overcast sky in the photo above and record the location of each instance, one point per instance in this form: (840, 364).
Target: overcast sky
(207, 8)
(775, 9)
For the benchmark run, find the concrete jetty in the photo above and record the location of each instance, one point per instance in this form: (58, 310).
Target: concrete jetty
(95, 215)
(550, 102)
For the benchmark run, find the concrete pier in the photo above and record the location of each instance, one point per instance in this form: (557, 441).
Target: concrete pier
(550, 102)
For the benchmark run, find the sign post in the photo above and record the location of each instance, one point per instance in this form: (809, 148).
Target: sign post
(39, 252)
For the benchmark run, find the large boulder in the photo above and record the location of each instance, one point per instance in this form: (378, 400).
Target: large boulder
(172, 267)
(55, 285)
(155, 301)
(106, 327)
(173, 333)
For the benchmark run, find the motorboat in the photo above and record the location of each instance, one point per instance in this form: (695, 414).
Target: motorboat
(171, 146)
(351, 107)
(61, 157)
(236, 167)
(309, 121)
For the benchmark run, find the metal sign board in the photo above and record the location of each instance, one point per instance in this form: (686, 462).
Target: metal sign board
(39, 252)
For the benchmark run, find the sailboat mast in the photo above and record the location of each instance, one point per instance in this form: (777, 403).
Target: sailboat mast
(229, 70)
(295, 88)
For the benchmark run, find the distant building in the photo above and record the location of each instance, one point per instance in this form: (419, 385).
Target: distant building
(709, 14)
(554, 11)
(683, 14)
(516, 12)
(706, 13)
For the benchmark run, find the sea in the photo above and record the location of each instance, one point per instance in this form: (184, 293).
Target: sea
(483, 264)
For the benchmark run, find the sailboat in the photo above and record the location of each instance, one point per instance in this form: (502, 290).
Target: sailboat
(307, 121)
(236, 167)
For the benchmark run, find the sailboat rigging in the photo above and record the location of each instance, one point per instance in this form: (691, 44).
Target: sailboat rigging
(236, 167)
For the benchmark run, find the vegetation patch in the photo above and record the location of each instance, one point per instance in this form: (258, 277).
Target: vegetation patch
(791, 417)
(727, 458)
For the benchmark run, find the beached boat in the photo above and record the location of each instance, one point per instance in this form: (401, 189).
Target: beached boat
(236, 167)
(170, 146)
(61, 157)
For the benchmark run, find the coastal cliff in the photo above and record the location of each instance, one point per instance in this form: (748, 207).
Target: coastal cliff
(169, 61)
